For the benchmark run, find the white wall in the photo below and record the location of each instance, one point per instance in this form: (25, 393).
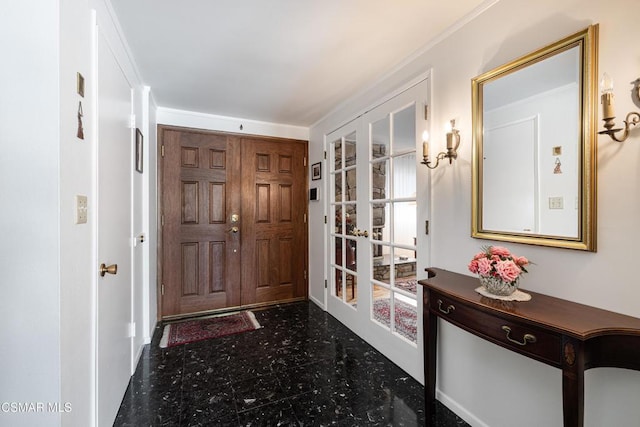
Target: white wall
(486, 384)
(29, 196)
(77, 255)
(48, 262)
(192, 119)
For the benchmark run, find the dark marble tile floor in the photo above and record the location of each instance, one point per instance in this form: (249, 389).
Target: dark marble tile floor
(302, 368)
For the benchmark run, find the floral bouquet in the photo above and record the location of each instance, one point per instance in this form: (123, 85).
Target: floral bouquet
(499, 269)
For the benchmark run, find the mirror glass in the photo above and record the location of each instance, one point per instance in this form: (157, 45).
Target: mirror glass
(534, 147)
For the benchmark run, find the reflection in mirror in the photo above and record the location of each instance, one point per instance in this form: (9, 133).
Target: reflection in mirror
(534, 152)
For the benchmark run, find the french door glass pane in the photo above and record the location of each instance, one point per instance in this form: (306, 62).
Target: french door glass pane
(338, 186)
(380, 138)
(350, 218)
(382, 264)
(380, 306)
(351, 250)
(351, 289)
(350, 150)
(404, 130)
(404, 176)
(338, 252)
(380, 179)
(405, 317)
(338, 154)
(350, 185)
(404, 265)
(404, 223)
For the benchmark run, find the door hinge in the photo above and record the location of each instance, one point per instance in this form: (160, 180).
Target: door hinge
(162, 220)
(162, 150)
(305, 275)
(325, 283)
(426, 227)
(426, 112)
(162, 289)
(133, 121)
(304, 161)
(325, 154)
(325, 219)
(305, 218)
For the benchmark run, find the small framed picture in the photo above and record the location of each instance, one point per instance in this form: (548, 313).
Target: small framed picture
(139, 146)
(316, 171)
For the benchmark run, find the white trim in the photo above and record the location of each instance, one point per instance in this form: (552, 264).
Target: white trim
(387, 97)
(459, 410)
(317, 302)
(192, 119)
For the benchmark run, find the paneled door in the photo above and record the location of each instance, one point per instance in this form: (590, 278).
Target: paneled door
(274, 232)
(201, 242)
(233, 221)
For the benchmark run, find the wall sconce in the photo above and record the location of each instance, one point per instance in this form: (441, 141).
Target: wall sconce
(453, 142)
(608, 110)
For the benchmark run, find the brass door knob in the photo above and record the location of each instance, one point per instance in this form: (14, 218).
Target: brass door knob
(234, 229)
(104, 269)
(361, 233)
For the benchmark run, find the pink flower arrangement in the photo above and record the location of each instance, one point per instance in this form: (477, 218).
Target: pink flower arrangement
(497, 261)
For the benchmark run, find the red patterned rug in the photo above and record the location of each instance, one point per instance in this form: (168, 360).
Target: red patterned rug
(405, 317)
(207, 328)
(410, 285)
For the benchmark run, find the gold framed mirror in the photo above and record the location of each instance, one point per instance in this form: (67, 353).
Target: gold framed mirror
(534, 147)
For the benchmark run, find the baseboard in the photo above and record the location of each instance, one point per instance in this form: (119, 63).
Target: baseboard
(317, 302)
(149, 335)
(460, 411)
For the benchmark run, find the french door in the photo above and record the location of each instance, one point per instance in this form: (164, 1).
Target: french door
(374, 248)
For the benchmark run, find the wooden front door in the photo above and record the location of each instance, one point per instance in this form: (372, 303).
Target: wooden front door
(274, 237)
(233, 211)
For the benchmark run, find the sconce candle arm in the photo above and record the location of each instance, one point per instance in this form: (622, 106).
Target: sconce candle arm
(632, 119)
(452, 151)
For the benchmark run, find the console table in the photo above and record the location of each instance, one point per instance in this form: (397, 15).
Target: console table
(570, 336)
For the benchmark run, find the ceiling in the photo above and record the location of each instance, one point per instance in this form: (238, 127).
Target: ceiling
(279, 61)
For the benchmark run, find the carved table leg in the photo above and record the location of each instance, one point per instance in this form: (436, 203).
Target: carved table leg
(572, 382)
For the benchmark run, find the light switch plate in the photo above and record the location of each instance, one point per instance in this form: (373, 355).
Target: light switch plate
(81, 209)
(556, 203)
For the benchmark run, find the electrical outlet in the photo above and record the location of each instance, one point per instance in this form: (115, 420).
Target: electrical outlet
(81, 209)
(556, 203)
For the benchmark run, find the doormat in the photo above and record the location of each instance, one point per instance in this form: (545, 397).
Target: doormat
(405, 317)
(208, 328)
